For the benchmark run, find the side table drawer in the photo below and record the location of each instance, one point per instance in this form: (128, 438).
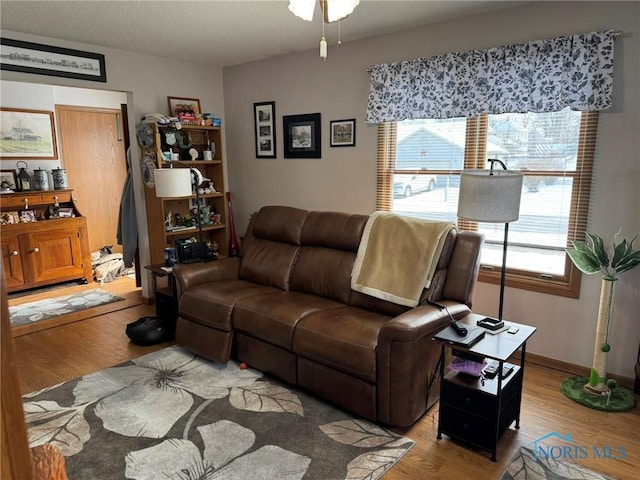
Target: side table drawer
(473, 401)
(468, 427)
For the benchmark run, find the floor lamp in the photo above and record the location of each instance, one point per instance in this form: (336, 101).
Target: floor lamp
(492, 196)
(177, 182)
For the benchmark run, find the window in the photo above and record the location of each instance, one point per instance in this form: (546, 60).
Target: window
(419, 165)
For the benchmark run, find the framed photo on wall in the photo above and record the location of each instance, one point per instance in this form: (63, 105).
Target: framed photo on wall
(343, 133)
(264, 115)
(27, 134)
(41, 59)
(302, 136)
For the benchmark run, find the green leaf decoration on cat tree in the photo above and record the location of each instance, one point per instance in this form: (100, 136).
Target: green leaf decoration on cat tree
(592, 256)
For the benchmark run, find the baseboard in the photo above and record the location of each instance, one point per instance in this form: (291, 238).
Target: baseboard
(572, 368)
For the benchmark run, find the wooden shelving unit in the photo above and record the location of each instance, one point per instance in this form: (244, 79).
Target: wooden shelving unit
(158, 209)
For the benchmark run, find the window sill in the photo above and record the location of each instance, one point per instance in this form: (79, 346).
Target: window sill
(564, 288)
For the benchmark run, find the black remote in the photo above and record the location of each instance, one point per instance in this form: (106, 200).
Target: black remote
(457, 326)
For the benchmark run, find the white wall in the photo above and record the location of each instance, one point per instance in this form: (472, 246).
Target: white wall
(34, 96)
(345, 178)
(148, 81)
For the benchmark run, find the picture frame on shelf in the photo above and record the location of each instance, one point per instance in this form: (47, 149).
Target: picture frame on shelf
(65, 212)
(9, 218)
(187, 110)
(27, 134)
(193, 203)
(28, 57)
(27, 215)
(8, 180)
(302, 136)
(343, 132)
(264, 114)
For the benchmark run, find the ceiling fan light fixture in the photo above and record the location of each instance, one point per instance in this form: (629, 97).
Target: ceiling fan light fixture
(331, 11)
(302, 8)
(339, 9)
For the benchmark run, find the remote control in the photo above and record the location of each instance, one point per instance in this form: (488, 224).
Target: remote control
(491, 369)
(457, 326)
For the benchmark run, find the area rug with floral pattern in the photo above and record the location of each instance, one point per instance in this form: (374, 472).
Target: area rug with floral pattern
(28, 313)
(525, 465)
(173, 415)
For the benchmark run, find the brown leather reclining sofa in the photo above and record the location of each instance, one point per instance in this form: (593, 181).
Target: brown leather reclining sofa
(286, 308)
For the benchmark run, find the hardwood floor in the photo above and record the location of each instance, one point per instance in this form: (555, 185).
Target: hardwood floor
(63, 352)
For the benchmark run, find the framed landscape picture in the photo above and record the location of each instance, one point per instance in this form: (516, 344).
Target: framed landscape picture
(264, 115)
(343, 133)
(302, 136)
(27, 134)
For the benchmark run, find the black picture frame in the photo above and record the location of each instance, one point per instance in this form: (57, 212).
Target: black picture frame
(302, 136)
(343, 132)
(264, 116)
(28, 57)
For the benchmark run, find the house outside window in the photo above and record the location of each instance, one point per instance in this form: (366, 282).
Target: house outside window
(419, 166)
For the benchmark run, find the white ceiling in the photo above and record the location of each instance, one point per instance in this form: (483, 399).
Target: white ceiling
(218, 32)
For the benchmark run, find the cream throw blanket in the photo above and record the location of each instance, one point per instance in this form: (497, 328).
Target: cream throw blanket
(397, 257)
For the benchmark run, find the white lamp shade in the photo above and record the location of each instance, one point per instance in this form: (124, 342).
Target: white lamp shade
(490, 198)
(173, 182)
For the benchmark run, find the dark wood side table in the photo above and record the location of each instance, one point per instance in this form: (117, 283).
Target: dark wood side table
(478, 410)
(166, 298)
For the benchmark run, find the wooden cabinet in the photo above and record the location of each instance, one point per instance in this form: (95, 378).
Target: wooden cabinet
(47, 251)
(165, 216)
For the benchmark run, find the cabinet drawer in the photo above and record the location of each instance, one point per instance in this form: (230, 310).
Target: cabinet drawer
(60, 196)
(17, 200)
(473, 401)
(468, 427)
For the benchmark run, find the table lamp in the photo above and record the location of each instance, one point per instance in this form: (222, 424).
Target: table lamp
(492, 196)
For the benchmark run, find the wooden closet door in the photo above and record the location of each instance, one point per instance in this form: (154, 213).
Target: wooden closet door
(93, 153)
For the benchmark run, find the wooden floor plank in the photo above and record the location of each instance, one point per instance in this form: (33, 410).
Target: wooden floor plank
(69, 351)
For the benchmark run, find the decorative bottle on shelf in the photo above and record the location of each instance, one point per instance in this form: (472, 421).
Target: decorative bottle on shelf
(234, 246)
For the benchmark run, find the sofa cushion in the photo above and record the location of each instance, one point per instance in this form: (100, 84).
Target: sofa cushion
(271, 246)
(330, 241)
(341, 231)
(279, 224)
(272, 317)
(324, 272)
(342, 338)
(212, 303)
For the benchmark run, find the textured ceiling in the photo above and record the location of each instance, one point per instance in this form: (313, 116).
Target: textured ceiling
(217, 32)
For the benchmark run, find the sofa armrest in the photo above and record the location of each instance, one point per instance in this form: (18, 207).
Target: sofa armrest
(190, 274)
(420, 321)
(407, 357)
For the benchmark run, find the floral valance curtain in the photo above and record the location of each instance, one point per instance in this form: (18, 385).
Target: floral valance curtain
(541, 76)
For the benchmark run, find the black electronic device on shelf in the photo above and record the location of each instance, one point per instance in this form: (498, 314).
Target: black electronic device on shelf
(490, 323)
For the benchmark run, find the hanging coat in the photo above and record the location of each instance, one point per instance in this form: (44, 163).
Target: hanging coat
(127, 221)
